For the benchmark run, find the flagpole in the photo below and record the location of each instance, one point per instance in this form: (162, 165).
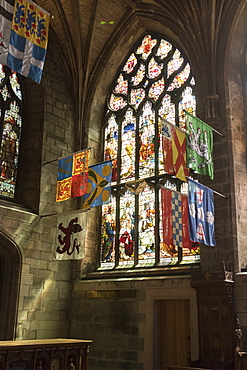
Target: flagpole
(79, 151)
(213, 129)
(216, 192)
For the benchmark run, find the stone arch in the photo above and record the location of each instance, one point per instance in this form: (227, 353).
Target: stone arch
(10, 273)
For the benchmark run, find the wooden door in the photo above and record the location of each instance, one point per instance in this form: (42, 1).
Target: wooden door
(172, 333)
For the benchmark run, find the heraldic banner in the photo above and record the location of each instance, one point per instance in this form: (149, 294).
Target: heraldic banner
(99, 185)
(199, 146)
(175, 218)
(28, 39)
(70, 237)
(174, 150)
(72, 175)
(201, 213)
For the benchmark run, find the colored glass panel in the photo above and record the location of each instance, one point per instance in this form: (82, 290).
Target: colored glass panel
(154, 69)
(117, 102)
(127, 229)
(9, 150)
(2, 74)
(180, 79)
(156, 89)
(128, 148)
(15, 84)
(122, 86)
(175, 63)
(146, 47)
(136, 97)
(188, 103)
(111, 145)
(146, 235)
(164, 48)
(137, 79)
(167, 109)
(146, 142)
(130, 64)
(108, 230)
(5, 92)
(10, 128)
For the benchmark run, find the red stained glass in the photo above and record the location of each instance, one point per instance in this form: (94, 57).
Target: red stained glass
(146, 47)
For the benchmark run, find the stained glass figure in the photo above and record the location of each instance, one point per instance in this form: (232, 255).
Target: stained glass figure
(111, 145)
(10, 129)
(108, 230)
(167, 109)
(146, 237)
(188, 103)
(127, 229)
(154, 82)
(128, 148)
(146, 142)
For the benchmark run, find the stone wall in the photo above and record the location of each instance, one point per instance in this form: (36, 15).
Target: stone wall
(45, 291)
(119, 317)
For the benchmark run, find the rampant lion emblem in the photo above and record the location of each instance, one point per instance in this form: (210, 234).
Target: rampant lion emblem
(65, 240)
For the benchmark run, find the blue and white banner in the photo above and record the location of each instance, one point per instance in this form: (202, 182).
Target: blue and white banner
(28, 39)
(201, 213)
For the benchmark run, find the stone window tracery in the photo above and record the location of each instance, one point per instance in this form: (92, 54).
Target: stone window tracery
(154, 82)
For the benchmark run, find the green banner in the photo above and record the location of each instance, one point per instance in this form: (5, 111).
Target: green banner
(199, 146)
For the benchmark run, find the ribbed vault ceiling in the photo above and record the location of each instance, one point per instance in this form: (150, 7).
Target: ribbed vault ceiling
(84, 41)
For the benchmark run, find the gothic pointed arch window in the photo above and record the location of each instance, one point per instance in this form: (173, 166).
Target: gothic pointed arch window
(155, 82)
(11, 105)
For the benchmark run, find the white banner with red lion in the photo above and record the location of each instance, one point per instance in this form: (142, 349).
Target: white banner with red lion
(70, 237)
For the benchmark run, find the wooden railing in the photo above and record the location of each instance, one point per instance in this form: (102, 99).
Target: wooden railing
(54, 354)
(183, 368)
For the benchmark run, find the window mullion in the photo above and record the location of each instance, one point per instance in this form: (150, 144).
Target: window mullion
(136, 253)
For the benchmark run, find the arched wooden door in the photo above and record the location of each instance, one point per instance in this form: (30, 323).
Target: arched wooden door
(10, 272)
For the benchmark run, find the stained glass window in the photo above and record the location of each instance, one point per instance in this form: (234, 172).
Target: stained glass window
(155, 82)
(10, 130)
